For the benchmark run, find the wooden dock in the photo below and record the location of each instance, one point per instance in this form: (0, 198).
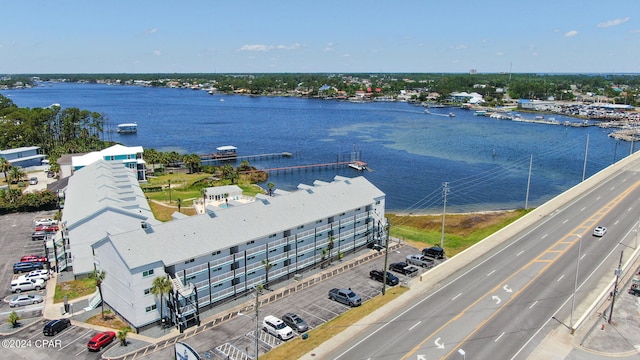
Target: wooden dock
(299, 168)
(215, 158)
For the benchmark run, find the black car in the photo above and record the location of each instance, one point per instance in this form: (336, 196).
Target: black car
(404, 268)
(435, 252)
(55, 326)
(377, 275)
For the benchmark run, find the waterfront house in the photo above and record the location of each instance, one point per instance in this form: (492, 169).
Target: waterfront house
(129, 156)
(24, 156)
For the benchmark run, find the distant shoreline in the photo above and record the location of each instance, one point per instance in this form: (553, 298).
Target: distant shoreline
(483, 212)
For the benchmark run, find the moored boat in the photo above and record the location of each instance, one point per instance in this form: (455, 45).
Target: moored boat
(128, 128)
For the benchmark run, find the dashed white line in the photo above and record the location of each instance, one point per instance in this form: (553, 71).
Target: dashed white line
(616, 223)
(418, 323)
(560, 278)
(534, 304)
(455, 297)
(520, 253)
(583, 209)
(498, 338)
(544, 236)
(565, 221)
(489, 274)
(583, 255)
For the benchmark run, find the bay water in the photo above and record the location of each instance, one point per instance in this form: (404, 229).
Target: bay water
(484, 162)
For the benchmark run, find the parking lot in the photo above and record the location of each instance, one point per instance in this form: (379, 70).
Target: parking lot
(232, 339)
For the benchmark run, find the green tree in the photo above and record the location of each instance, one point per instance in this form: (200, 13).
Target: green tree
(122, 335)
(160, 287)
(271, 186)
(179, 203)
(267, 266)
(98, 276)
(14, 319)
(330, 247)
(16, 174)
(5, 166)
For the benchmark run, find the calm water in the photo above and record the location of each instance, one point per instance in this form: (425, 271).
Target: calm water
(411, 154)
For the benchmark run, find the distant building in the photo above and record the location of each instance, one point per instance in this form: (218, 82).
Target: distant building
(465, 97)
(220, 255)
(130, 157)
(24, 156)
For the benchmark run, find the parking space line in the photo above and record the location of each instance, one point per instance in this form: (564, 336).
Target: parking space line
(78, 338)
(83, 350)
(317, 317)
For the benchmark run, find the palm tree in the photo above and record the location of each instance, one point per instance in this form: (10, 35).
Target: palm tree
(98, 276)
(267, 266)
(179, 202)
(13, 319)
(5, 166)
(271, 186)
(203, 191)
(122, 335)
(16, 174)
(330, 246)
(160, 287)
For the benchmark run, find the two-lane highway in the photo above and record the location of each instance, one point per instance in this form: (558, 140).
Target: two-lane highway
(504, 303)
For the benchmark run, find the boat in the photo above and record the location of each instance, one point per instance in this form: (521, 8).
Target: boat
(128, 128)
(358, 165)
(480, 113)
(452, 114)
(426, 111)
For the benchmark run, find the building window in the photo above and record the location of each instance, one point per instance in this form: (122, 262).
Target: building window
(147, 291)
(150, 308)
(189, 261)
(147, 273)
(301, 227)
(318, 221)
(272, 236)
(251, 257)
(251, 242)
(190, 277)
(216, 253)
(273, 250)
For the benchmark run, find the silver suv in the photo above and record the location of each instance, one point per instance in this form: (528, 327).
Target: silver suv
(277, 328)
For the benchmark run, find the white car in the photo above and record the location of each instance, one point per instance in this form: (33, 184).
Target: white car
(37, 274)
(599, 231)
(22, 300)
(46, 222)
(277, 328)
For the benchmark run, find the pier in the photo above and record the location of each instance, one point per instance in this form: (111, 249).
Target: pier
(216, 158)
(312, 167)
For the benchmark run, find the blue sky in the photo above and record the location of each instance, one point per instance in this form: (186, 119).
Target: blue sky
(139, 36)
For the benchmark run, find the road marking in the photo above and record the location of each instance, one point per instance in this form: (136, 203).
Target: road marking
(437, 342)
(489, 274)
(560, 278)
(507, 289)
(496, 299)
(616, 223)
(534, 304)
(308, 313)
(565, 221)
(83, 350)
(582, 257)
(418, 323)
(583, 209)
(71, 342)
(455, 297)
(544, 236)
(498, 338)
(520, 253)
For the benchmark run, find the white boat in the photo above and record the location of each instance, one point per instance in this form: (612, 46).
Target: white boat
(358, 165)
(452, 114)
(128, 128)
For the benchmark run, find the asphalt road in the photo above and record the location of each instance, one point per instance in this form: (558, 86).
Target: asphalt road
(504, 303)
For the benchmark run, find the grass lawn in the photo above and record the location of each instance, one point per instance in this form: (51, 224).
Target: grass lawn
(74, 289)
(461, 230)
(296, 348)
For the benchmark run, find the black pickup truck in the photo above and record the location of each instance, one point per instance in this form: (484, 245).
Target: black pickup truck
(404, 269)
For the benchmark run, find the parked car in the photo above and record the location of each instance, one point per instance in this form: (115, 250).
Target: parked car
(55, 326)
(345, 296)
(25, 299)
(404, 268)
(20, 267)
(100, 340)
(295, 322)
(46, 222)
(33, 258)
(276, 327)
(599, 231)
(635, 291)
(41, 274)
(375, 246)
(420, 260)
(378, 275)
(48, 228)
(23, 284)
(435, 252)
(39, 235)
(33, 181)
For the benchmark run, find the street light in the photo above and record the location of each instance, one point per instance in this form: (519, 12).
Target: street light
(258, 288)
(575, 285)
(464, 354)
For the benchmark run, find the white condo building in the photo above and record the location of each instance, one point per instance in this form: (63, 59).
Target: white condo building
(216, 256)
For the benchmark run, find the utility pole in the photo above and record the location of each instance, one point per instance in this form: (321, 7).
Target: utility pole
(615, 287)
(586, 152)
(258, 289)
(445, 191)
(387, 227)
(526, 200)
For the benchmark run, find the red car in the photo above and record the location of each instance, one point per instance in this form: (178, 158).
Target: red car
(33, 258)
(48, 228)
(100, 340)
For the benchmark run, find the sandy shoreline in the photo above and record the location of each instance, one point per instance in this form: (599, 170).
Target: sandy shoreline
(395, 213)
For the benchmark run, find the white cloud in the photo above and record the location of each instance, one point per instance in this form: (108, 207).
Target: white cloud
(328, 48)
(614, 22)
(151, 31)
(499, 53)
(571, 33)
(263, 48)
(157, 53)
(459, 47)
